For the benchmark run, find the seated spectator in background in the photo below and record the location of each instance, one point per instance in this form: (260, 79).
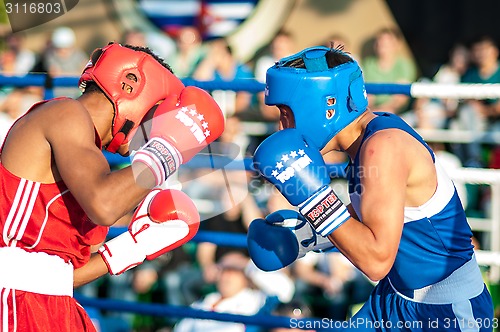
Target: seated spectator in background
(16, 59)
(235, 218)
(189, 51)
(148, 288)
(236, 294)
(62, 57)
(435, 113)
(388, 65)
(452, 71)
(332, 284)
(14, 105)
(282, 45)
(338, 40)
(220, 64)
(160, 43)
(485, 69)
(479, 115)
(134, 37)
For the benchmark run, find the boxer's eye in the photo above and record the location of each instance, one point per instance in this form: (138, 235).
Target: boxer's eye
(131, 77)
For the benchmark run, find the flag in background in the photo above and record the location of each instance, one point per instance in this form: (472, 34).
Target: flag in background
(214, 18)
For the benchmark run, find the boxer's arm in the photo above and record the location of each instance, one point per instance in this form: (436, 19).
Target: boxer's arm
(104, 195)
(352, 212)
(372, 245)
(165, 220)
(94, 269)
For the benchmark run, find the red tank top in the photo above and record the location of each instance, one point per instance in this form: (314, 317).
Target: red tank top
(45, 217)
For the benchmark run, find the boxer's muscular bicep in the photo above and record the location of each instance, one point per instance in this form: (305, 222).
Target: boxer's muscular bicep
(104, 196)
(384, 179)
(79, 162)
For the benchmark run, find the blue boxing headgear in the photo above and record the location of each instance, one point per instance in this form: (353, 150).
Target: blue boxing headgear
(309, 93)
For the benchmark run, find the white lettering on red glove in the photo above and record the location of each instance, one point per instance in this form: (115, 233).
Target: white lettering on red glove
(181, 127)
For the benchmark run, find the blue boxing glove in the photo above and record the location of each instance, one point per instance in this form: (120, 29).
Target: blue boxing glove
(299, 172)
(282, 238)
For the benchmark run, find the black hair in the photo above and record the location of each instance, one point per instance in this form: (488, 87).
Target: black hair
(150, 52)
(334, 58)
(91, 87)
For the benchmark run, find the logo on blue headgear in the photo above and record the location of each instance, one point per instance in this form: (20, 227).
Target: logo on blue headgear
(323, 100)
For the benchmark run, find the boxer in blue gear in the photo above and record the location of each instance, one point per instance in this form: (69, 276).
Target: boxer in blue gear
(406, 226)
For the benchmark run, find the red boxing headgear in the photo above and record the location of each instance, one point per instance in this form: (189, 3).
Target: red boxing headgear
(132, 96)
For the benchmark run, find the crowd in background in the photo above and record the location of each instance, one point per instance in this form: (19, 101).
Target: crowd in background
(223, 279)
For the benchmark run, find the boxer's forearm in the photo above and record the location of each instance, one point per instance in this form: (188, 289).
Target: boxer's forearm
(91, 271)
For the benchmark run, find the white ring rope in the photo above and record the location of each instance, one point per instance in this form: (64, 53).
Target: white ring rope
(487, 258)
(455, 91)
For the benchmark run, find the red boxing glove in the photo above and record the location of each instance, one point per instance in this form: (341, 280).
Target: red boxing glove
(181, 127)
(165, 220)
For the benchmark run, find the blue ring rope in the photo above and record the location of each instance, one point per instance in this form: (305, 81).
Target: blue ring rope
(165, 310)
(250, 85)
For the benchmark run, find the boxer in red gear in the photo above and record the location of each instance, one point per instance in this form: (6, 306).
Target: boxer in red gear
(58, 195)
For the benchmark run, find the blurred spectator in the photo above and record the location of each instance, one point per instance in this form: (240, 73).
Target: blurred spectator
(220, 64)
(160, 43)
(262, 120)
(235, 219)
(435, 113)
(148, 289)
(282, 45)
(16, 59)
(388, 65)
(237, 294)
(178, 273)
(62, 58)
(485, 69)
(134, 37)
(14, 105)
(189, 52)
(458, 63)
(331, 283)
(479, 115)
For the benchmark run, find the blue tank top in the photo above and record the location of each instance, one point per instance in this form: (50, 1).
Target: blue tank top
(436, 237)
